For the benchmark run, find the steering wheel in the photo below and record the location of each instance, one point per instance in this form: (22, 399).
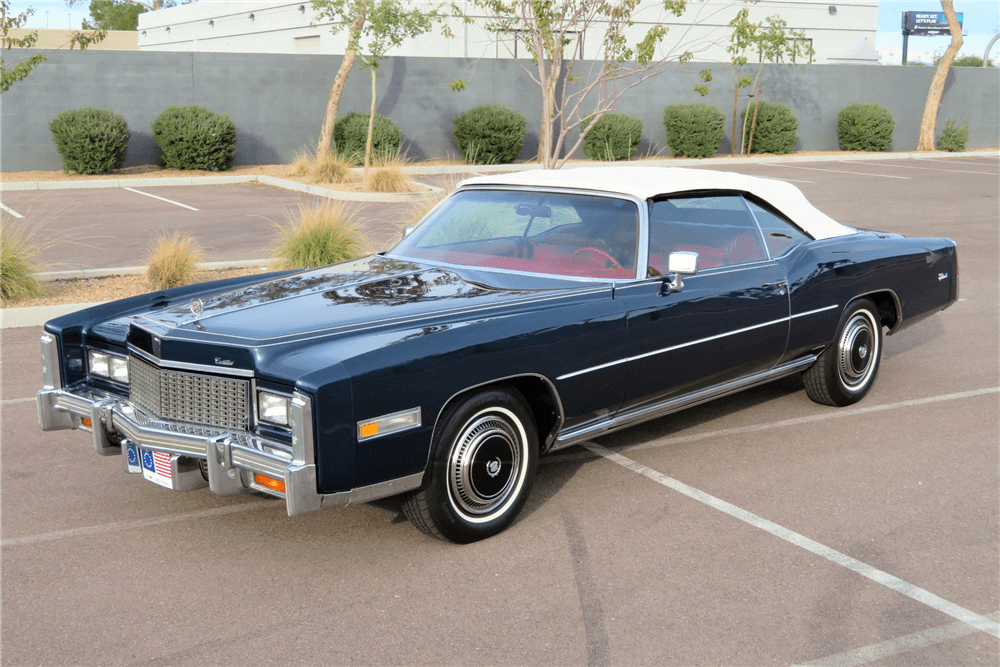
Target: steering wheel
(599, 252)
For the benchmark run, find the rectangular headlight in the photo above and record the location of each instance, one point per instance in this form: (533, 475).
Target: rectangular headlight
(272, 408)
(119, 369)
(97, 362)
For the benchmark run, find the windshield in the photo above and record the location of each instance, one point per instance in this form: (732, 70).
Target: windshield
(539, 232)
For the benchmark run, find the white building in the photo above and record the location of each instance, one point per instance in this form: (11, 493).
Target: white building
(839, 32)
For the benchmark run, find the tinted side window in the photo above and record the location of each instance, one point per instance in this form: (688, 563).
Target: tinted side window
(780, 233)
(719, 229)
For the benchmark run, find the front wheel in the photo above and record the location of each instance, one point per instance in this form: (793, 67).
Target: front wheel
(846, 370)
(485, 454)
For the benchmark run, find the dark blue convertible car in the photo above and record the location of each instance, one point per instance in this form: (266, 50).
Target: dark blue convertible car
(526, 313)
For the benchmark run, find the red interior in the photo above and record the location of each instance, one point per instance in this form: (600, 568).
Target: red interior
(546, 259)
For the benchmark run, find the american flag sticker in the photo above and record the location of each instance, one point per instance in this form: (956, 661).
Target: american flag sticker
(156, 467)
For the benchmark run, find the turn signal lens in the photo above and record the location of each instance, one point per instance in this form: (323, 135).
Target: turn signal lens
(386, 424)
(270, 482)
(87, 422)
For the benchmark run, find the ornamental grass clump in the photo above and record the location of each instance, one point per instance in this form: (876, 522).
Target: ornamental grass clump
(319, 236)
(490, 134)
(350, 135)
(953, 138)
(774, 131)
(865, 127)
(18, 249)
(90, 141)
(615, 136)
(193, 137)
(331, 168)
(173, 261)
(694, 130)
(387, 175)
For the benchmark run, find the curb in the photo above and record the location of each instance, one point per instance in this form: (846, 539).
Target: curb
(341, 195)
(468, 169)
(78, 274)
(33, 316)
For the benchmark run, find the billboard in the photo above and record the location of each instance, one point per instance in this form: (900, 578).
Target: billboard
(927, 23)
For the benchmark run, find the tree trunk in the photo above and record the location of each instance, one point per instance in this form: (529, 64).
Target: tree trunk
(333, 104)
(736, 94)
(929, 122)
(753, 125)
(371, 124)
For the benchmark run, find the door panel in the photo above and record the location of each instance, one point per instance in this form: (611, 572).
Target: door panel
(722, 325)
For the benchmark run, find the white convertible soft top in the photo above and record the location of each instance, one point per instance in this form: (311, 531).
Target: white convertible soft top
(649, 182)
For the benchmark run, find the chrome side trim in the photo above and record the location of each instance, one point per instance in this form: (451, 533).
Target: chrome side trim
(561, 419)
(899, 307)
(372, 492)
(645, 413)
(693, 342)
(184, 366)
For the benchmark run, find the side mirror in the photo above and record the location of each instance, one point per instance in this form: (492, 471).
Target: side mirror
(407, 231)
(680, 264)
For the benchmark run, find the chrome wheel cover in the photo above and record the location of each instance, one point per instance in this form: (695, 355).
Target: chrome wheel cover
(858, 350)
(486, 464)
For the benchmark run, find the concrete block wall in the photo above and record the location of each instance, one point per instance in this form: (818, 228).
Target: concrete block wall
(278, 101)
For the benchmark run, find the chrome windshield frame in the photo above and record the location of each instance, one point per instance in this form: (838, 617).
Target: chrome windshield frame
(642, 247)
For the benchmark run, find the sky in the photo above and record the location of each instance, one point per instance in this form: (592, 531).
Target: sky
(981, 21)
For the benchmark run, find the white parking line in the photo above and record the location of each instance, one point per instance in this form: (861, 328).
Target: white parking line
(11, 401)
(835, 171)
(169, 201)
(977, 621)
(131, 525)
(11, 211)
(950, 161)
(956, 171)
(886, 649)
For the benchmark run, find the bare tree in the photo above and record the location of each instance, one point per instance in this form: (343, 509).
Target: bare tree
(15, 70)
(929, 122)
(574, 94)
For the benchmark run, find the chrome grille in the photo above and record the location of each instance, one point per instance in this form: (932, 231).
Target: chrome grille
(189, 397)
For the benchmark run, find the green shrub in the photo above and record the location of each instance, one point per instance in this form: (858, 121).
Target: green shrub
(775, 129)
(865, 127)
(953, 138)
(350, 134)
(490, 134)
(90, 141)
(319, 236)
(615, 136)
(694, 130)
(193, 137)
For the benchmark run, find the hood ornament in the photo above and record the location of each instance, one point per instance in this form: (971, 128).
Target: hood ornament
(196, 307)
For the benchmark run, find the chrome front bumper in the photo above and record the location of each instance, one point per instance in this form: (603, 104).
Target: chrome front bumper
(232, 459)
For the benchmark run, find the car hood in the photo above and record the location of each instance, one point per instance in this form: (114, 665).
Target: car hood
(367, 294)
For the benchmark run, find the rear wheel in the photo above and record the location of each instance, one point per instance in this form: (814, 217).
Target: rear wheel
(846, 370)
(485, 454)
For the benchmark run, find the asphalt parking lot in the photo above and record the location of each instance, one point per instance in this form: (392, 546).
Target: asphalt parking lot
(758, 529)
